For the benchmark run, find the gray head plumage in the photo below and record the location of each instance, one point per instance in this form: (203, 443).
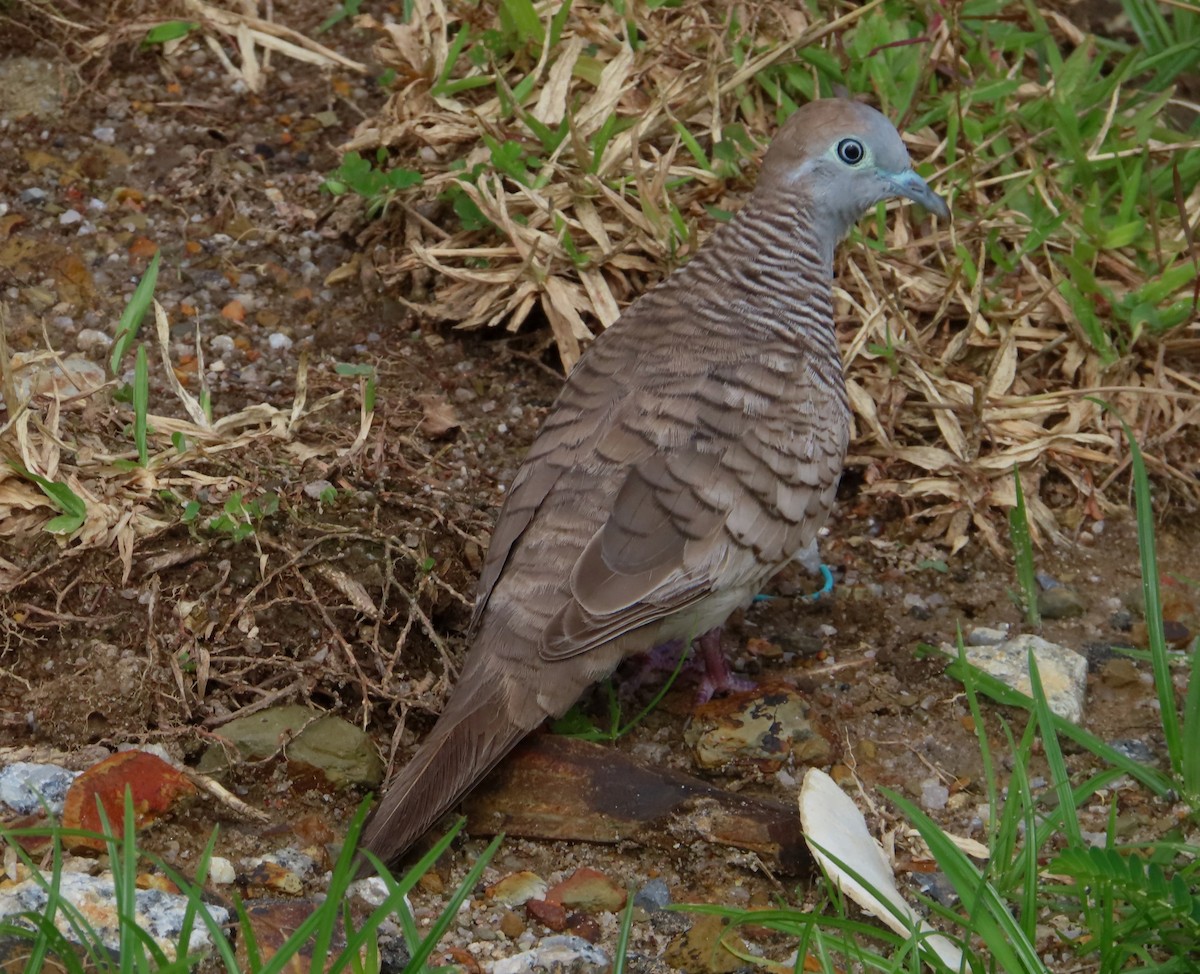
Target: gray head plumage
(848, 157)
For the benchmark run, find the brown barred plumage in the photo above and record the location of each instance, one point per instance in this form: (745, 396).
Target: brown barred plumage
(694, 451)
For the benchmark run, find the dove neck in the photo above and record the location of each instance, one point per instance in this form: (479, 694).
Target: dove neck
(782, 244)
(770, 264)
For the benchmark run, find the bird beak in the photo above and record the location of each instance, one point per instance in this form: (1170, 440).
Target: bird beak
(912, 186)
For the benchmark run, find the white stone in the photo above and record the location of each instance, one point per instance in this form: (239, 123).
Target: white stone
(555, 953)
(934, 795)
(221, 871)
(156, 912)
(1063, 671)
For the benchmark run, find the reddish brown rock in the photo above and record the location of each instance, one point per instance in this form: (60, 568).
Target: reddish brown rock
(550, 915)
(588, 890)
(560, 788)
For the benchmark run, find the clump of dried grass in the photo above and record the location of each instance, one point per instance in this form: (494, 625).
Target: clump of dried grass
(952, 385)
(64, 428)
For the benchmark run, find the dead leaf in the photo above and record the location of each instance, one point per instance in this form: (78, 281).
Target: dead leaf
(440, 419)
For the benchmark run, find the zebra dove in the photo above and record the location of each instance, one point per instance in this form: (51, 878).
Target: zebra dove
(694, 450)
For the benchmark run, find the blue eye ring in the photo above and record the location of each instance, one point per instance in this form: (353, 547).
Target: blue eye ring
(851, 152)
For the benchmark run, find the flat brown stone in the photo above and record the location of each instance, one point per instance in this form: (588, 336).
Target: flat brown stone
(555, 787)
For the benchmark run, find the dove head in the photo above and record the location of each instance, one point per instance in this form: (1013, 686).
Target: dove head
(842, 158)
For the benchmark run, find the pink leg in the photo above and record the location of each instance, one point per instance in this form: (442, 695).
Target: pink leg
(708, 663)
(718, 677)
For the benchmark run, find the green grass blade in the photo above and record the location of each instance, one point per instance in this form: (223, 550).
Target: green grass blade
(131, 317)
(1190, 770)
(521, 19)
(1160, 660)
(1013, 867)
(1010, 948)
(1158, 783)
(73, 507)
(621, 950)
(450, 912)
(1022, 542)
(1054, 757)
(141, 404)
(452, 54)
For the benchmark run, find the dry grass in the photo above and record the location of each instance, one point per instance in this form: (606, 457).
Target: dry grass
(560, 180)
(952, 384)
(66, 431)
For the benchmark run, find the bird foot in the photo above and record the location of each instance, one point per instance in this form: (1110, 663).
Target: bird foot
(708, 665)
(718, 677)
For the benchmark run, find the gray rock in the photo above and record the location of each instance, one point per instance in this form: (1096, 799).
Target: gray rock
(1135, 750)
(157, 913)
(90, 339)
(1063, 671)
(316, 488)
(653, 896)
(987, 636)
(937, 886)
(559, 954)
(934, 794)
(24, 785)
(338, 749)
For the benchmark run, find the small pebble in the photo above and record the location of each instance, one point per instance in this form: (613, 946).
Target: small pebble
(1060, 602)
(221, 871)
(653, 897)
(916, 606)
(934, 794)
(1135, 750)
(511, 924)
(987, 636)
(937, 886)
(91, 339)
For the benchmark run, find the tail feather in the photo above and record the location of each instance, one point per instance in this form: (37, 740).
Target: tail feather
(474, 733)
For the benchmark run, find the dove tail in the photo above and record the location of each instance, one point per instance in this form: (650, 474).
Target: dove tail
(473, 734)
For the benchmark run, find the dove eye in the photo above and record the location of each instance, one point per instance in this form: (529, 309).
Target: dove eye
(851, 151)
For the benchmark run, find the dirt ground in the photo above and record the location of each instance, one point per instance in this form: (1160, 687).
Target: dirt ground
(226, 184)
